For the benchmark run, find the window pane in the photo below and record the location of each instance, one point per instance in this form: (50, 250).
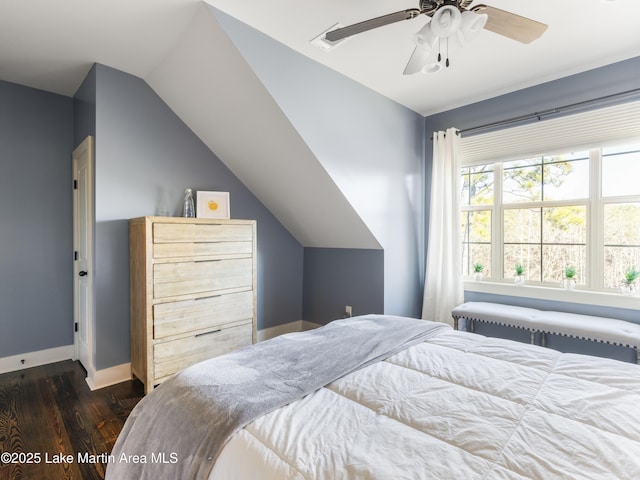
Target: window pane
(480, 226)
(566, 180)
(622, 241)
(522, 183)
(481, 188)
(565, 224)
(464, 195)
(556, 257)
(522, 225)
(477, 185)
(620, 171)
(480, 253)
(527, 255)
(617, 260)
(476, 241)
(558, 177)
(544, 262)
(622, 224)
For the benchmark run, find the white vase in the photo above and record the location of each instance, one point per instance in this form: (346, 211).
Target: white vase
(478, 276)
(627, 288)
(519, 279)
(568, 283)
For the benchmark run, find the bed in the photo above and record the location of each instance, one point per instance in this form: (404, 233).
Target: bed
(429, 403)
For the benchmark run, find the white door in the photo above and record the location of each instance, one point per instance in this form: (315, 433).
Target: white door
(83, 213)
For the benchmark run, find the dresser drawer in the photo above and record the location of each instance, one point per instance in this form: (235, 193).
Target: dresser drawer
(176, 318)
(167, 250)
(193, 292)
(173, 356)
(194, 233)
(173, 279)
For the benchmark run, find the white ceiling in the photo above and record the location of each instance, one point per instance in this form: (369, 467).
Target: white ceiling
(582, 34)
(51, 44)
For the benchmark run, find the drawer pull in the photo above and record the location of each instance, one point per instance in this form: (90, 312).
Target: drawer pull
(207, 261)
(206, 298)
(208, 333)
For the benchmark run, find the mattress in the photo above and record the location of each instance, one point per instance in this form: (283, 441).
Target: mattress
(458, 405)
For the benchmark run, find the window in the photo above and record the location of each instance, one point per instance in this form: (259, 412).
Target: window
(477, 195)
(576, 209)
(621, 211)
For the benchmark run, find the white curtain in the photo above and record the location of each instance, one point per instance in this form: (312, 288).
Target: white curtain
(443, 288)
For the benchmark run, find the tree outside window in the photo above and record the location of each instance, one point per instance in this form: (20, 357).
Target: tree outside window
(548, 214)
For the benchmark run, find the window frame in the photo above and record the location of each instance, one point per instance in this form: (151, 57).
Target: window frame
(592, 291)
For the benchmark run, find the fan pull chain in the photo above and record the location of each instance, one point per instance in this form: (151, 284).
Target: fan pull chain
(439, 54)
(447, 62)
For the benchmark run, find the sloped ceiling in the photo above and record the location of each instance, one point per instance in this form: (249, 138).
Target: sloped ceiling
(181, 51)
(208, 84)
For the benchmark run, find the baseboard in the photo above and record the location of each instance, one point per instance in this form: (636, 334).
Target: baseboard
(97, 379)
(297, 326)
(35, 359)
(120, 373)
(309, 325)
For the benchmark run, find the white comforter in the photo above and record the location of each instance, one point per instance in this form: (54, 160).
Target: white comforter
(459, 406)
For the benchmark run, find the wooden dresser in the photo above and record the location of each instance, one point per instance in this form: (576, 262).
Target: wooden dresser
(193, 292)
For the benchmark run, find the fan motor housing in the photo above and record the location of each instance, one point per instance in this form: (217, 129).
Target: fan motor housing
(428, 5)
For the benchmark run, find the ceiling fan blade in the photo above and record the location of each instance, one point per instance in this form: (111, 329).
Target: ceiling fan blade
(510, 25)
(340, 33)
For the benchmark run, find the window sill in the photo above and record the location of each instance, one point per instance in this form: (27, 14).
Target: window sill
(586, 297)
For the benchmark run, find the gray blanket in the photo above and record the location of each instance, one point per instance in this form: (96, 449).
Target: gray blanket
(178, 431)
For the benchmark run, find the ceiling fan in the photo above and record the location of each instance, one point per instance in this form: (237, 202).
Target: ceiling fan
(455, 19)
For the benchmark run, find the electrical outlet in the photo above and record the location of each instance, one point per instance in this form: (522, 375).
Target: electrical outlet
(348, 311)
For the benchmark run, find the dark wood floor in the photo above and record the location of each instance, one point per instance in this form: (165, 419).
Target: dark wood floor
(50, 411)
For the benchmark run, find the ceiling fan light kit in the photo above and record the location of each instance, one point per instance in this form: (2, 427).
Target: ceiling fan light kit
(421, 60)
(425, 38)
(446, 21)
(472, 24)
(448, 18)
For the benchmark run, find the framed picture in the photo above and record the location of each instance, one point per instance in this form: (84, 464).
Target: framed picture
(212, 205)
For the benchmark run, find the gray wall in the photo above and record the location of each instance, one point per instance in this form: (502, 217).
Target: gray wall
(607, 80)
(84, 108)
(371, 146)
(36, 241)
(336, 277)
(145, 158)
(603, 81)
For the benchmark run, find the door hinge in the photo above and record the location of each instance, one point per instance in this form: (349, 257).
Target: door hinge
(75, 255)
(75, 184)
(75, 327)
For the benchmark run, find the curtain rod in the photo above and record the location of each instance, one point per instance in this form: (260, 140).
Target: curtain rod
(539, 115)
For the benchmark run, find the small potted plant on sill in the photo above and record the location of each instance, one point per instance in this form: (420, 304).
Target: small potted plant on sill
(628, 286)
(569, 280)
(477, 272)
(519, 278)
